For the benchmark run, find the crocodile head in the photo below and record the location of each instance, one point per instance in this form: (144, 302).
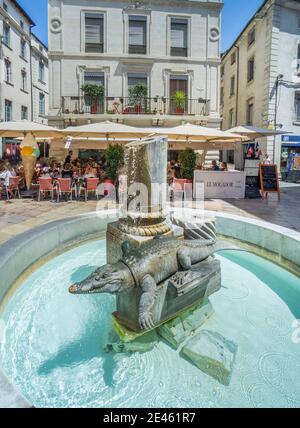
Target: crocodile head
(110, 279)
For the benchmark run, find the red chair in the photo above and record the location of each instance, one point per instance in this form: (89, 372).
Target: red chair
(64, 186)
(45, 186)
(91, 187)
(13, 187)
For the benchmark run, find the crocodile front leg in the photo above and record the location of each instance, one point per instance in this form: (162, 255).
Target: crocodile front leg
(148, 286)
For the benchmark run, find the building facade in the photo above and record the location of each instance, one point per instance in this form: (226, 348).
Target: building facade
(260, 75)
(171, 48)
(20, 55)
(40, 81)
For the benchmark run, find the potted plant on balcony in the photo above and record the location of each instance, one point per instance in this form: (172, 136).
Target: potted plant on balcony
(94, 95)
(138, 97)
(114, 161)
(188, 161)
(179, 99)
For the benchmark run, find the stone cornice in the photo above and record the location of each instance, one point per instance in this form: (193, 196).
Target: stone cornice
(130, 59)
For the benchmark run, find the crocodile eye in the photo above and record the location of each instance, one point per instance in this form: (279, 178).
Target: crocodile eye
(97, 278)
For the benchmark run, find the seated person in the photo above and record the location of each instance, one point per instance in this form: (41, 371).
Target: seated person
(224, 166)
(215, 166)
(67, 171)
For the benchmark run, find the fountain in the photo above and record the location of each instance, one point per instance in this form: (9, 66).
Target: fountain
(157, 275)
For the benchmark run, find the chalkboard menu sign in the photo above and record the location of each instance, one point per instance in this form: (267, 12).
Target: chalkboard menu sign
(252, 187)
(269, 181)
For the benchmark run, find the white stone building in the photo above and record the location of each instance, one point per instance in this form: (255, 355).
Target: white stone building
(167, 46)
(23, 86)
(260, 79)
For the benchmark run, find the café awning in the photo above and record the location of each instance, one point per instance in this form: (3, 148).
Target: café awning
(253, 132)
(107, 129)
(21, 128)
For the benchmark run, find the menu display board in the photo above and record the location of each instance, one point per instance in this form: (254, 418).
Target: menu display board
(252, 187)
(269, 181)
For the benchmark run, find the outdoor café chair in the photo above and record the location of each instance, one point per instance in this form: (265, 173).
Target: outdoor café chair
(13, 187)
(46, 186)
(64, 186)
(90, 187)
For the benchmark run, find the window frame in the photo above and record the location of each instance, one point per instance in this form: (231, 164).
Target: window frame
(249, 120)
(8, 71)
(188, 36)
(84, 38)
(251, 37)
(42, 112)
(232, 85)
(8, 34)
(250, 78)
(297, 101)
(10, 104)
(139, 18)
(24, 109)
(23, 49)
(24, 81)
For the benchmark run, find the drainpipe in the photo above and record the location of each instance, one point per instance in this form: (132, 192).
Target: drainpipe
(31, 77)
(237, 84)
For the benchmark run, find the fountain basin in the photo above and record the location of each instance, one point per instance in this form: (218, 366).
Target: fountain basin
(53, 345)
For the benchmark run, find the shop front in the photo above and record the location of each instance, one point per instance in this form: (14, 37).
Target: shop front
(290, 158)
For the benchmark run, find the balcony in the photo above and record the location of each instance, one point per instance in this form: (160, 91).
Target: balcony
(157, 106)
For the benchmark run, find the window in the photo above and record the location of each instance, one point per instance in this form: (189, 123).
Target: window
(22, 24)
(222, 96)
(8, 110)
(222, 71)
(298, 58)
(42, 104)
(24, 80)
(6, 34)
(23, 49)
(24, 113)
(251, 64)
(179, 33)
(233, 58)
(41, 71)
(297, 106)
(5, 6)
(94, 33)
(231, 118)
(137, 35)
(232, 86)
(94, 78)
(250, 109)
(251, 37)
(137, 79)
(8, 71)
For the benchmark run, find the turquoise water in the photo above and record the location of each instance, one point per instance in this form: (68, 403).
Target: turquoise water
(52, 346)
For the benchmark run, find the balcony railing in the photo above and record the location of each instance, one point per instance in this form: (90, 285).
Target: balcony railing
(129, 106)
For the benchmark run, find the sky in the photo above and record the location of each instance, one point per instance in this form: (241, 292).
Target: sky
(236, 14)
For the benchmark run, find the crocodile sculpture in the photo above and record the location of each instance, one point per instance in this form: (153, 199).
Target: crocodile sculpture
(146, 267)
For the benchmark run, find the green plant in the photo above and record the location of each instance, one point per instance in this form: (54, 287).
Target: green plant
(179, 98)
(93, 93)
(114, 160)
(188, 161)
(138, 94)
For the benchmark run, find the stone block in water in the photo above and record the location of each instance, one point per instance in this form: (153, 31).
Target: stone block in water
(213, 354)
(175, 332)
(142, 344)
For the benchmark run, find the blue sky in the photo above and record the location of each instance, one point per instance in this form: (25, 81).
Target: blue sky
(236, 14)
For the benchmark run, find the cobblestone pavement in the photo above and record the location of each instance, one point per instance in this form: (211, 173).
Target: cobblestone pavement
(18, 216)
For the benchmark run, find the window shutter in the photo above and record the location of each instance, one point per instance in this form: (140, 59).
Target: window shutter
(137, 32)
(94, 32)
(179, 34)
